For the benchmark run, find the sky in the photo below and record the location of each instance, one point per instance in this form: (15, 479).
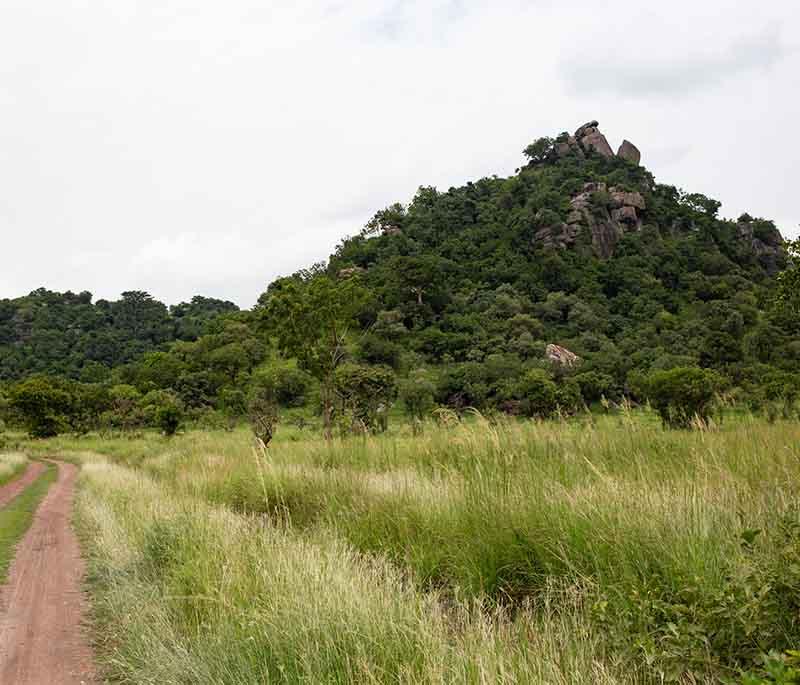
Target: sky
(207, 147)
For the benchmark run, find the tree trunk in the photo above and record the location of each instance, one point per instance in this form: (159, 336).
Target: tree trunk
(327, 409)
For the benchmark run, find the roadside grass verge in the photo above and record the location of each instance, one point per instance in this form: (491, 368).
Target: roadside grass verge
(682, 547)
(12, 464)
(184, 592)
(17, 515)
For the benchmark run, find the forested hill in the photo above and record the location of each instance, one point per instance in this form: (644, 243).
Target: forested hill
(580, 247)
(67, 334)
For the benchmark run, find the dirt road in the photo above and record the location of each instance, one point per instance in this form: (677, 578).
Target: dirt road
(11, 489)
(42, 641)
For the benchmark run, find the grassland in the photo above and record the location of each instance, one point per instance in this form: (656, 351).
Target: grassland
(602, 550)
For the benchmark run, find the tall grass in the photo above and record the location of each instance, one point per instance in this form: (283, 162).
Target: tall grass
(185, 592)
(670, 554)
(12, 464)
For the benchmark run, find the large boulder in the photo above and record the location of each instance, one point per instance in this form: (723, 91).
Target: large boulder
(629, 152)
(561, 355)
(594, 140)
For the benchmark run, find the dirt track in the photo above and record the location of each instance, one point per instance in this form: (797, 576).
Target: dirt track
(11, 489)
(42, 641)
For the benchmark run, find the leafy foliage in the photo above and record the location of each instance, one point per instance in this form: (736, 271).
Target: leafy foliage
(680, 395)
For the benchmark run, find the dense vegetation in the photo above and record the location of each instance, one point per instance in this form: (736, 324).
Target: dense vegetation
(461, 290)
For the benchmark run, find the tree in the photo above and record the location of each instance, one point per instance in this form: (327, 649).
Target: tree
(366, 393)
(683, 394)
(311, 319)
(416, 392)
(43, 404)
(262, 410)
(539, 149)
(165, 410)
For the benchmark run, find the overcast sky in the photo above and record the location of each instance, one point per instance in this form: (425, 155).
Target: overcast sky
(207, 147)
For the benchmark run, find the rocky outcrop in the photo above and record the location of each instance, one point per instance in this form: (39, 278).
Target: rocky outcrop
(349, 272)
(561, 355)
(606, 213)
(628, 151)
(765, 241)
(557, 236)
(588, 139)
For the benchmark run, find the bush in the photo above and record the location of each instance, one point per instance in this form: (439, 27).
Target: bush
(680, 395)
(595, 385)
(42, 404)
(538, 394)
(416, 392)
(164, 410)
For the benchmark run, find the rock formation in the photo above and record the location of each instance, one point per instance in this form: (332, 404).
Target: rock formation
(765, 241)
(629, 152)
(588, 138)
(606, 213)
(561, 355)
(349, 272)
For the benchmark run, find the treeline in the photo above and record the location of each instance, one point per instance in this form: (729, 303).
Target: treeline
(66, 334)
(452, 301)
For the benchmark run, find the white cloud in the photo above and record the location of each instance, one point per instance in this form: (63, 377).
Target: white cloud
(206, 148)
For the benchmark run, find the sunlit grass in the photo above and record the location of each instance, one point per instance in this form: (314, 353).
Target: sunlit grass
(614, 546)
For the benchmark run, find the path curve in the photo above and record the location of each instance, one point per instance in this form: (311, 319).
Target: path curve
(11, 489)
(42, 639)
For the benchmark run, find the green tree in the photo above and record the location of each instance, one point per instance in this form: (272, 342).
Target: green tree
(366, 393)
(43, 405)
(417, 392)
(682, 394)
(312, 318)
(164, 410)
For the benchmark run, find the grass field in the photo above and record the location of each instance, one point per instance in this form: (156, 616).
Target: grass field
(602, 550)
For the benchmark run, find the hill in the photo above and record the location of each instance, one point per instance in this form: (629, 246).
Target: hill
(568, 283)
(581, 247)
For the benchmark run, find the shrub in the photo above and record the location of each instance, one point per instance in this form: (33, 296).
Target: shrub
(164, 410)
(262, 412)
(595, 385)
(538, 394)
(416, 392)
(680, 395)
(42, 404)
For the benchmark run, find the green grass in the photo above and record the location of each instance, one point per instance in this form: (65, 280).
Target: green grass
(12, 464)
(603, 550)
(17, 515)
